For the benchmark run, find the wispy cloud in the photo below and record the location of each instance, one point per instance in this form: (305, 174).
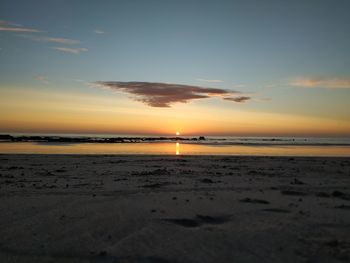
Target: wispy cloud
(60, 40)
(98, 31)
(19, 29)
(43, 79)
(13, 27)
(239, 99)
(70, 50)
(210, 80)
(65, 41)
(332, 83)
(165, 94)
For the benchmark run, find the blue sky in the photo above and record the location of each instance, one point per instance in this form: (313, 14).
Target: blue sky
(268, 50)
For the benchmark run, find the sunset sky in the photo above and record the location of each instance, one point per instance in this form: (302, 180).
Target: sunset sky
(245, 68)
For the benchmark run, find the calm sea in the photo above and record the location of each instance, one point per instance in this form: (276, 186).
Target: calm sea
(261, 146)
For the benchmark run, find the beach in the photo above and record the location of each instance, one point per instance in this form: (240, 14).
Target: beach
(174, 208)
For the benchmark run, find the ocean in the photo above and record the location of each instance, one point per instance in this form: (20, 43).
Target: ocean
(212, 145)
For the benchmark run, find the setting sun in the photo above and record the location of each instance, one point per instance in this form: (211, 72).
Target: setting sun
(177, 133)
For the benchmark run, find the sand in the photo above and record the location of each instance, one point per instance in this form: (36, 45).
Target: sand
(75, 208)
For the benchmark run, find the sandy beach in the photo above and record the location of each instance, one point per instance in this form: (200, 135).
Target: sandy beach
(122, 208)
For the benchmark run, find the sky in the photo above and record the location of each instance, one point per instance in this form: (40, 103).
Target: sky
(225, 68)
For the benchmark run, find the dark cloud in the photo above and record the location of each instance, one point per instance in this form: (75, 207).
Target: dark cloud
(165, 94)
(239, 99)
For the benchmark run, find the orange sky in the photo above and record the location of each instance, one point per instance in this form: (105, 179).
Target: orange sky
(32, 111)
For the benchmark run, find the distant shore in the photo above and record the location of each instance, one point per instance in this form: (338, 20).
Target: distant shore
(146, 139)
(87, 139)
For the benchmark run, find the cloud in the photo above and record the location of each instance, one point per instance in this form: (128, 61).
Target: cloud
(165, 94)
(66, 41)
(42, 79)
(59, 40)
(18, 29)
(70, 50)
(211, 80)
(239, 99)
(98, 31)
(13, 27)
(332, 83)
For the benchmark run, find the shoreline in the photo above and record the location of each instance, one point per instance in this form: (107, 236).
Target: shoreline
(54, 143)
(117, 155)
(173, 148)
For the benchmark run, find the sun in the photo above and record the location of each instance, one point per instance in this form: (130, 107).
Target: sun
(177, 133)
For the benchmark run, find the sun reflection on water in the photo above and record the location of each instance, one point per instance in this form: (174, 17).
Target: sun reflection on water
(177, 151)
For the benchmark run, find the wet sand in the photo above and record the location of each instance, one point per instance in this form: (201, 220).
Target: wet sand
(99, 208)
